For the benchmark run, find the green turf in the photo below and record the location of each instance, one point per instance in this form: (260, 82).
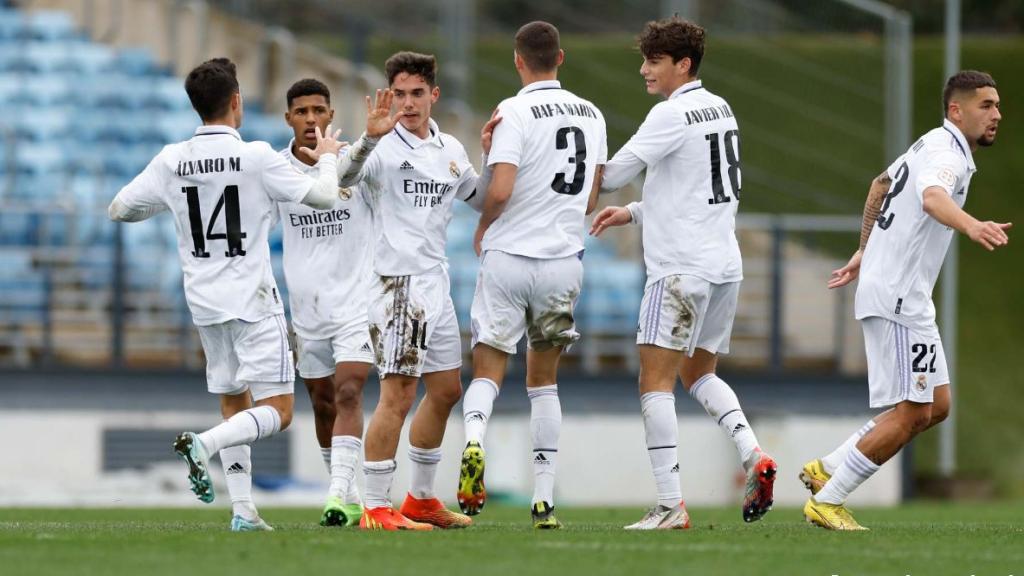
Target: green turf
(921, 539)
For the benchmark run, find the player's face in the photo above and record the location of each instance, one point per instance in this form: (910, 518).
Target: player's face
(413, 98)
(305, 114)
(980, 116)
(662, 76)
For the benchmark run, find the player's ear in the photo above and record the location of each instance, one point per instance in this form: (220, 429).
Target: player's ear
(561, 57)
(683, 65)
(330, 113)
(435, 93)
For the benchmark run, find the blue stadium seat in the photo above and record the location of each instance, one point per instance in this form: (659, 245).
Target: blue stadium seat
(166, 93)
(42, 90)
(136, 62)
(48, 25)
(11, 24)
(91, 59)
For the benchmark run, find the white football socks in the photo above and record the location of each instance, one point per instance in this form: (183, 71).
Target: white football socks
(545, 428)
(325, 453)
(378, 476)
(851, 473)
(720, 402)
(662, 432)
(424, 469)
(344, 457)
(833, 461)
(237, 464)
(243, 428)
(477, 403)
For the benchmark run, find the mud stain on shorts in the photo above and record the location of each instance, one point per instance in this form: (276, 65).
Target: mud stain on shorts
(554, 325)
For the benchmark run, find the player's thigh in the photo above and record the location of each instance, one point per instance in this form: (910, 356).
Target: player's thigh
(672, 312)
(551, 321)
(498, 313)
(443, 385)
(221, 361)
(265, 357)
(444, 341)
(903, 364)
(315, 357)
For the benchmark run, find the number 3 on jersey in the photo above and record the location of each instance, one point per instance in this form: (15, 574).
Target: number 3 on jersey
(232, 222)
(732, 159)
(561, 143)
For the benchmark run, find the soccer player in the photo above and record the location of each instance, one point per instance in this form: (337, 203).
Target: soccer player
(328, 263)
(690, 146)
(222, 193)
(411, 173)
(546, 159)
(910, 214)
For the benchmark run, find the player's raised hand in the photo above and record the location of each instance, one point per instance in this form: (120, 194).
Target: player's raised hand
(379, 120)
(608, 217)
(846, 274)
(488, 131)
(325, 144)
(989, 234)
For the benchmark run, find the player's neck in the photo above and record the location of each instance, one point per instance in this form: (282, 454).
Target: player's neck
(529, 77)
(226, 120)
(302, 157)
(683, 81)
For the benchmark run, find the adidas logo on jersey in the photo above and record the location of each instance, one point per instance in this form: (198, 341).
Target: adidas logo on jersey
(406, 166)
(236, 468)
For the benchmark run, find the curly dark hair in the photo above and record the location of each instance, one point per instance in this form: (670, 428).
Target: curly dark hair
(673, 37)
(413, 64)
(308, 87)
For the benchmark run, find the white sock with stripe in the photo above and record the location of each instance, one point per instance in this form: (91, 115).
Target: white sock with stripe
(424, 469)
(243, 428)
(378, 477)
(344, 457)
(545, 429)
(662, 433)
(834, 460)
(477, 404)
(237, 464)
(851, 473)
(720, 402)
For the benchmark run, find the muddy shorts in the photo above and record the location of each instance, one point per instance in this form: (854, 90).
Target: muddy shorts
(517, 294)
(681, 312)
(413, 325)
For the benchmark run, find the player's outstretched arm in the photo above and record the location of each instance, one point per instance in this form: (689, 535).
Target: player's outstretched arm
(503, 177)
(379, 121)
(939, 205)
(608, 217)
(876, 194)
(620, 170)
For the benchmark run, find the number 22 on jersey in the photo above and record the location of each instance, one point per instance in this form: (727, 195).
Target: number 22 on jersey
(228, 202)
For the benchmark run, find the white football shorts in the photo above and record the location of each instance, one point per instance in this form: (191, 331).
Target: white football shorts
(518, 294)
(413, 325)
(682, 312)
(318, 358)
(903, 364)
(253, 356)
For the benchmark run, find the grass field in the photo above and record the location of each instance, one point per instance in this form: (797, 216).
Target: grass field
(928, 539)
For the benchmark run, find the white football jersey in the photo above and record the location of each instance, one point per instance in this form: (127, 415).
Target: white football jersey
(907, 246)
(410, 184)
(557, 140)
(691, 146)
(328, 260)
(222, 192)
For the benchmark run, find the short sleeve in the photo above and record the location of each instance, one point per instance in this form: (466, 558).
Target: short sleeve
(508, 138)
(143, 192)
(282, 181)
(660, 134)
(944, 169)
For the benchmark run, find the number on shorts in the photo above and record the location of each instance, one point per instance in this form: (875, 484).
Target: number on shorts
(923, 350)
(419, 339)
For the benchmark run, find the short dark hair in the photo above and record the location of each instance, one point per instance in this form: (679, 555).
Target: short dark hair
(413, 64)
(308, 87)
(210, 87)
(964, 81)
(537, 44)
(673, 37)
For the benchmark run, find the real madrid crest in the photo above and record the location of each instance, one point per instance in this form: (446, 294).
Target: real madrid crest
(344, 193)
(454, 169)
(922, 382)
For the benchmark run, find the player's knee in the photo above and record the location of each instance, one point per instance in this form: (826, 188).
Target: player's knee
(939, 413)
(349, 394)
(285, 412)
(447, 396)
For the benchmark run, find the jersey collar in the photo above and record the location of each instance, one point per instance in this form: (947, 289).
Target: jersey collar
(215, 130)
(413, 141)
(961, 142)
(540, 85)
(688, 87)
